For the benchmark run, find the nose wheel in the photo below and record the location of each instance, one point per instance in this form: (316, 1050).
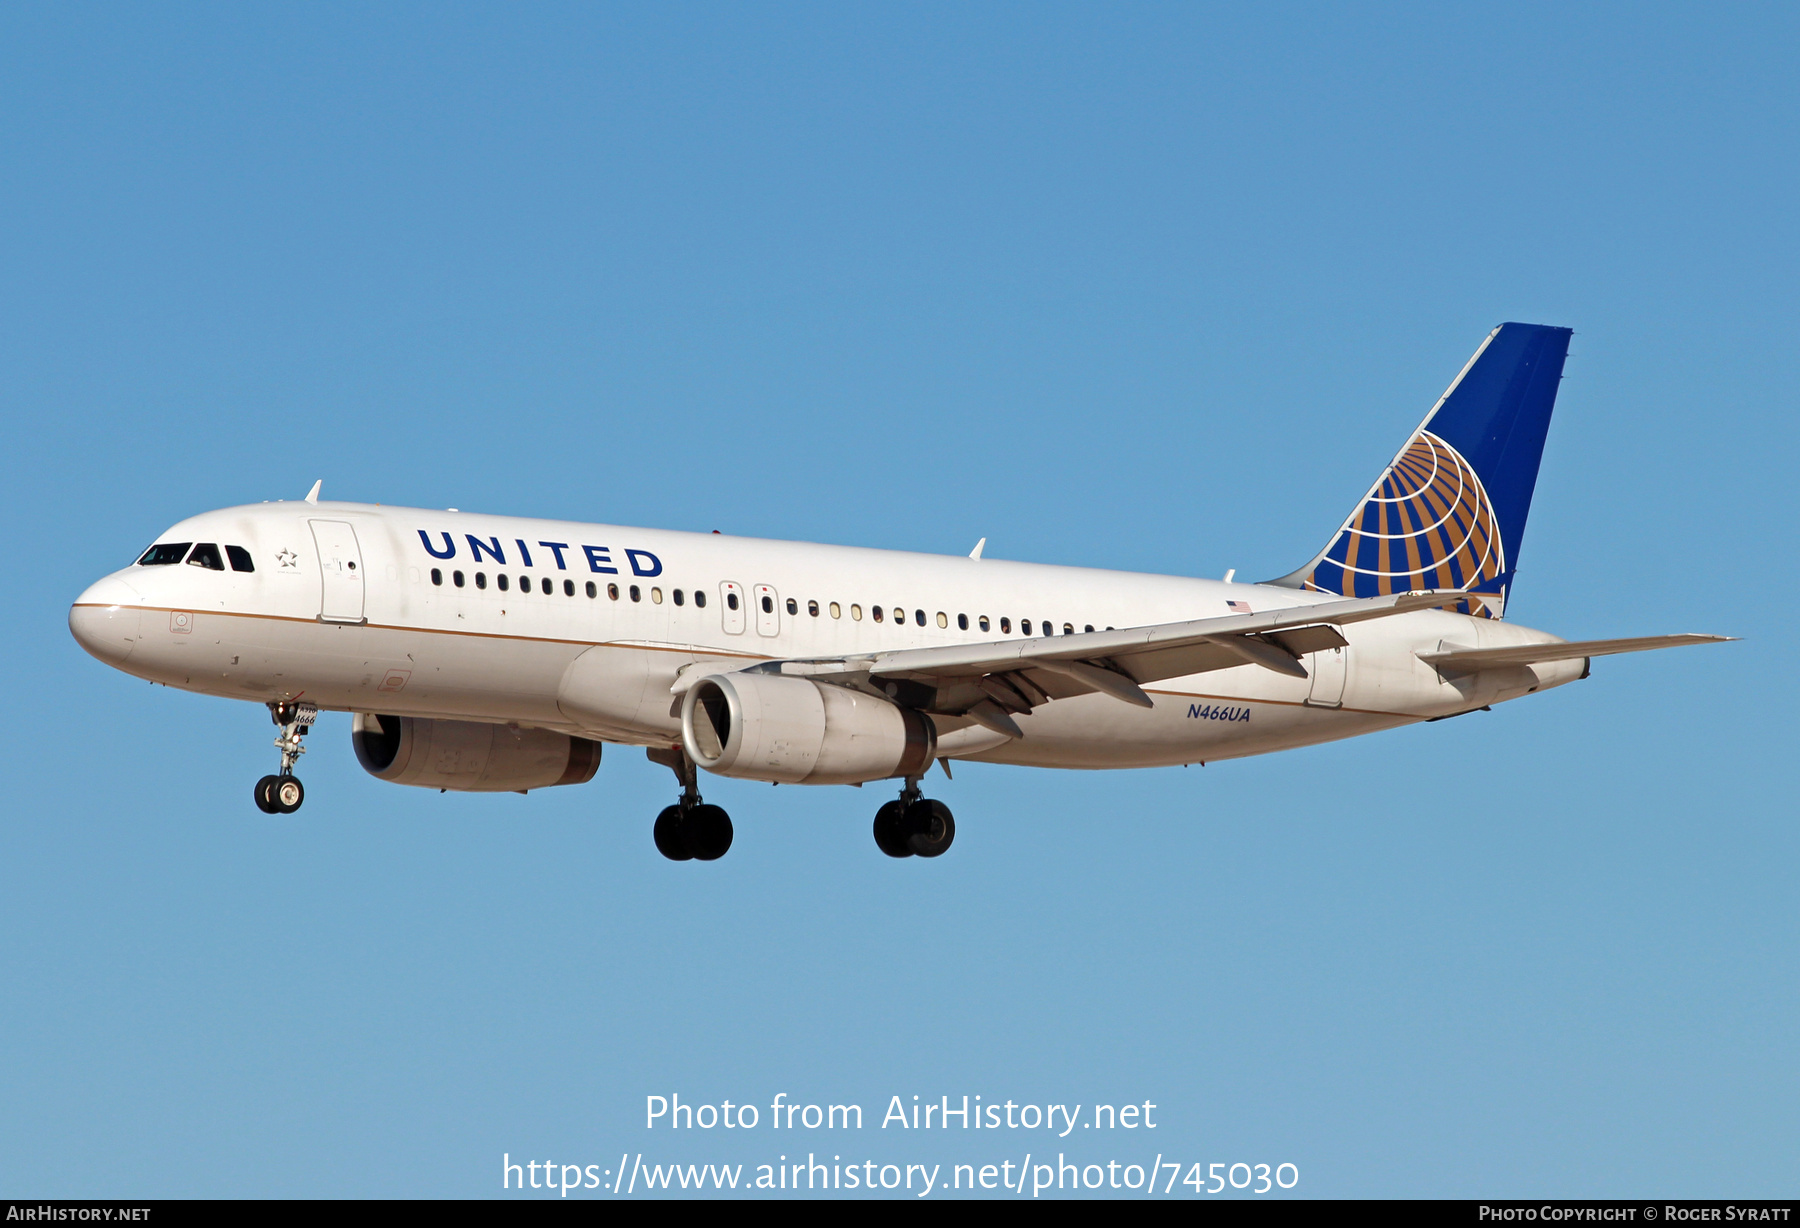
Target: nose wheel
(914, 826)
(690, 830)
(282, 793)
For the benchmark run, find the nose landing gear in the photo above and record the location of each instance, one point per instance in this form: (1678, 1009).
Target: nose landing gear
(283, 793)
(914, 826)
(690, 830)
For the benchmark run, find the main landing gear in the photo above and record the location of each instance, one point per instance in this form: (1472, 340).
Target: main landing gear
(282, 794)
(914, 826)
(690, 830)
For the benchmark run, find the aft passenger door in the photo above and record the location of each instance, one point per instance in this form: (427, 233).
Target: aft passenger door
(1328, 667)
(340, 572)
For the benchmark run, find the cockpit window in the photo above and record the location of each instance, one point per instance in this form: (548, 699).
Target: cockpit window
(240, 558)
(206, 555)
(164, 553)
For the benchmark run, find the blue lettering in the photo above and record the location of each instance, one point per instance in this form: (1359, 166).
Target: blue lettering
(596, 556)
(523, 552)
(555, 548)
(449, 546)
(637, 569)
(493, 548)
(1193, 711)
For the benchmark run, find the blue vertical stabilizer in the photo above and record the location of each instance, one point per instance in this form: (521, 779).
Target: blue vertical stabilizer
(1450, 511)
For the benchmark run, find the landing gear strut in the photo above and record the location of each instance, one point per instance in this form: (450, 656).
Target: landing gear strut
(283, 793)
(690, 830)
(914, 826)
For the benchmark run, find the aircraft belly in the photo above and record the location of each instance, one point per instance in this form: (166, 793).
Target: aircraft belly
(1094, 731)
(621, 693)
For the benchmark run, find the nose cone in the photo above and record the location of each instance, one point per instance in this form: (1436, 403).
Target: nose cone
(104, 620)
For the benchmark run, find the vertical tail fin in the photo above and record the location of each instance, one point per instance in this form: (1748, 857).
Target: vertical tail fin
(1449, 512)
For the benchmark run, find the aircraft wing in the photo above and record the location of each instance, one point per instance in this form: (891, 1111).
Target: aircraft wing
(990, 682)
(1468, 660)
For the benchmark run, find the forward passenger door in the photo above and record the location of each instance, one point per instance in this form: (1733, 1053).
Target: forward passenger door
(340, 572)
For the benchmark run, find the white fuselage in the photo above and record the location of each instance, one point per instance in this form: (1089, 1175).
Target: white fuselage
(352, 621)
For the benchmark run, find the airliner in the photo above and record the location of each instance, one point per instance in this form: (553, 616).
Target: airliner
(493, 653)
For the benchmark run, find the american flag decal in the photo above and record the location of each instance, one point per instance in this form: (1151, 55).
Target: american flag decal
(1238, 607)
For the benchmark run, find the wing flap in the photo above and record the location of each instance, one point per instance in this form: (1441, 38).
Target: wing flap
(1153, 665)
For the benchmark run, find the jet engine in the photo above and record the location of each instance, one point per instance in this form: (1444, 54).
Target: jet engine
(470, 755)
(795, 731)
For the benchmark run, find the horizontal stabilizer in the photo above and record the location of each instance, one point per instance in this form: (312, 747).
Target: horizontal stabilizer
(1468, 660)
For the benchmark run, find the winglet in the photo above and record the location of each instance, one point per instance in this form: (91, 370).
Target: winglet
(976, 552)
(312, 496)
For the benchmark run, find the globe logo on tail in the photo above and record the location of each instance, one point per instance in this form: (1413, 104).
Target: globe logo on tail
(1428, 524)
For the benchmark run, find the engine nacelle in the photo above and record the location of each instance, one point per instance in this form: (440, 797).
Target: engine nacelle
(470, 755)
(794, 731)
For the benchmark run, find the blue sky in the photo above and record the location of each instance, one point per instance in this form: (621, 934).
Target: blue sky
(1153, 287)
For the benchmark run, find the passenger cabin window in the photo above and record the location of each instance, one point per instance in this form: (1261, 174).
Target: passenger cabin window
(206, 555)
(437, 577)
(612, 591)
(768, 605)
(502, 581)
(592, 589)
(635, 595)
(919, 617)
(962, 622)
(1024, 626)
(837, 611)
(793, 607)
(1088, 627)
(855, 613)
(656, 596)
(1006, 626)
(568, 588)
(731, 601)
(164, 554)
(874, 612)
(812, 607)
(481, 579)
(545, 585)
(982, 622)
(456, 578)
(700, 598)
(240, 558)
